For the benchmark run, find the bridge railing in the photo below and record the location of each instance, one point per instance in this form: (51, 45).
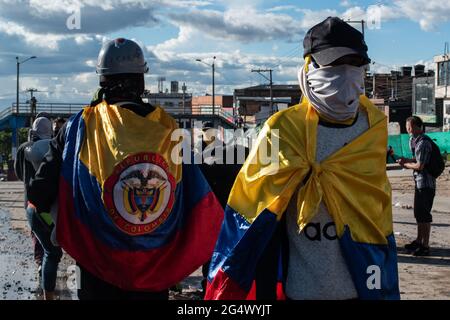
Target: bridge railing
(52, 108)
(5, 113)
(71, 108)
(199, 110)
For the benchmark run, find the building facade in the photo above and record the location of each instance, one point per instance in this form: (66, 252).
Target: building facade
(442, 87)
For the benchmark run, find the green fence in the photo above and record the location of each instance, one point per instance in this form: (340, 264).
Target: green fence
(400, 143)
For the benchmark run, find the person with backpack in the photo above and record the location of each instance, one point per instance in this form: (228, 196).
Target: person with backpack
(427, 165)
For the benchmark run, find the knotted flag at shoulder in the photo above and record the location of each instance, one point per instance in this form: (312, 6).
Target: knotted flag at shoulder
(127, 213)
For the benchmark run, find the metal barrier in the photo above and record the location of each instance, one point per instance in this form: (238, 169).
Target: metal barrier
(72, 108)
(52, 108)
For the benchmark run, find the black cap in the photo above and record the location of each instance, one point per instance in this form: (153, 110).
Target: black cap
(332, 39)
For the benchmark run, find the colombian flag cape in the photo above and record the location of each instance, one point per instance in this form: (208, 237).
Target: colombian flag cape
(127, 212)
(352, 182)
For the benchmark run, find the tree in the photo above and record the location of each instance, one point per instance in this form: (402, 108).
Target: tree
(5, 144)
(6, 140)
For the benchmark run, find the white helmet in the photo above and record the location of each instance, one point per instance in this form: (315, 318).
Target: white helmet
(121, 56)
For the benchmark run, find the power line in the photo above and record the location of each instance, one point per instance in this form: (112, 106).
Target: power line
(292, 53)
(260, 71)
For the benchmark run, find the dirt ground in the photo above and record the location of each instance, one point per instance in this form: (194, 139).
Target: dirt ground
(420, 278)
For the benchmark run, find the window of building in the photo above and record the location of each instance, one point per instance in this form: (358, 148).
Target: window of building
(424, 98)
(447, 109)
(443, 73)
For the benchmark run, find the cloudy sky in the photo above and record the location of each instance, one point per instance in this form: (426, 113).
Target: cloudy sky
(241, 34)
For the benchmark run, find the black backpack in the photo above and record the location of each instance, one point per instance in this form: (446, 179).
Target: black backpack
(436, 164)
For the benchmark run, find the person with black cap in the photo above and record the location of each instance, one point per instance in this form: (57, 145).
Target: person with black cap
(327, 206)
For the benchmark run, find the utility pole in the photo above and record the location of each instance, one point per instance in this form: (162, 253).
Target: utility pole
(161, 80)
(15, 134)
(31, 91)
(17, 89)
(270, 84)
(446, 66)
(358, 21)
(374, 94)
(392, 88)
(213, 88)
(32, 102)
(183, 88)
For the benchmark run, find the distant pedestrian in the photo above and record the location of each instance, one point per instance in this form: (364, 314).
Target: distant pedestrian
(57, 125)
(425, 184)
(219, 172)
(29, 157)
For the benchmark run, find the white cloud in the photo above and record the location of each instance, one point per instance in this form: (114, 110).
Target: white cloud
(82, 39)
(187, 3)
(185, 37)
(85, 77)
(66, 66)
(428, 13)
(313, 17)
(49, 41)
(354, 13)
(282, 8)
(345, 3)
(245, 24)
(70, 88)
(91, 63)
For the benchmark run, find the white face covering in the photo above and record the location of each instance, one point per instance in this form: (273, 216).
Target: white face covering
(333, 90)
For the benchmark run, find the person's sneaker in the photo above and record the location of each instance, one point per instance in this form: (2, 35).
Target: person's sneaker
(422, 251)
(413, 246)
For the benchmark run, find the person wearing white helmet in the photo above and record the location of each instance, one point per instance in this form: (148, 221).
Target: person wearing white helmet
(136, 221)
(29, 157)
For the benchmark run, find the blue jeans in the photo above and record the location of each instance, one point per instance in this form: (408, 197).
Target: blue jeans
(52, 254)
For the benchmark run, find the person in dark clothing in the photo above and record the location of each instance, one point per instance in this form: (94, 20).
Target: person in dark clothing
(57, 125)
(24, 171)
(121, 67)
(29, 156)
(425, 185)
(217, 171)
(117, 88)
(219, 174)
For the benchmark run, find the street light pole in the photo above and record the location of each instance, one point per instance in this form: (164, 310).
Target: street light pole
(213, 83)
(271, 92)
(213, 88)
(17, 88)
(15, 131)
